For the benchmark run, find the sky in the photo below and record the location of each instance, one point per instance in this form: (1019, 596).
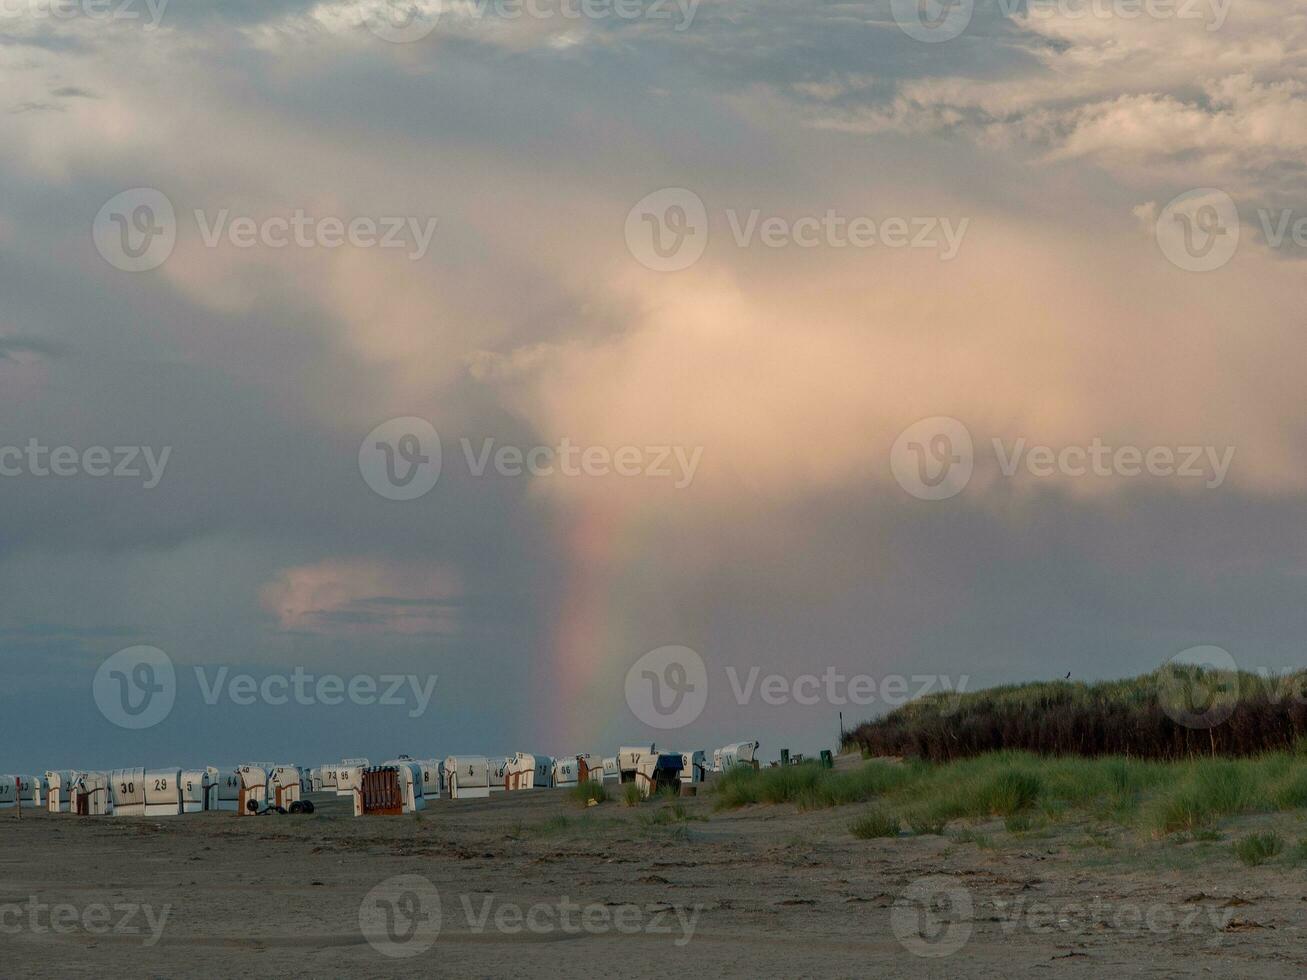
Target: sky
(553, 357)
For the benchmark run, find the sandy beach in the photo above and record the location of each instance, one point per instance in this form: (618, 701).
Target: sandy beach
(532, 884)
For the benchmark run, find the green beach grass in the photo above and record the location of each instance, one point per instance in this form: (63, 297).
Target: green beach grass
(1024, 789)
(1149, 717)
(589, 792)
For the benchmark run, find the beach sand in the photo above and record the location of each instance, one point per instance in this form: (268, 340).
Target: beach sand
(532, 884)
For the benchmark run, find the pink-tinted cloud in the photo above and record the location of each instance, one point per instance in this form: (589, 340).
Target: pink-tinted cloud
(362, 596)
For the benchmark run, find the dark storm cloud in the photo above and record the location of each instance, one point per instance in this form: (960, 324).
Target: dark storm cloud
(13, 346)
(262, 376)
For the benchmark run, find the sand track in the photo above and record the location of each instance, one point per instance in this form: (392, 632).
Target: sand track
(757, 893)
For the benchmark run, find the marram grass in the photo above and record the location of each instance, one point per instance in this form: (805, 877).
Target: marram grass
(1159, 798)
(588, 793)
(1140, 717)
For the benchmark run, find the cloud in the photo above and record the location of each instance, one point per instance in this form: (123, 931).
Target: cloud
(849, 343)
(361, 597)
(530, 321)
(26, 350)
(1202, 97)
(35, 107)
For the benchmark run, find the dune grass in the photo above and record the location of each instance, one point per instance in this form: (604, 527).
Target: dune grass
(1139, 717)
(1027, 791)
(1255, 849)
(553, 826)
(875, 823)
(676, 813)
(807, 784)
(923, 823)
(583, 793)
